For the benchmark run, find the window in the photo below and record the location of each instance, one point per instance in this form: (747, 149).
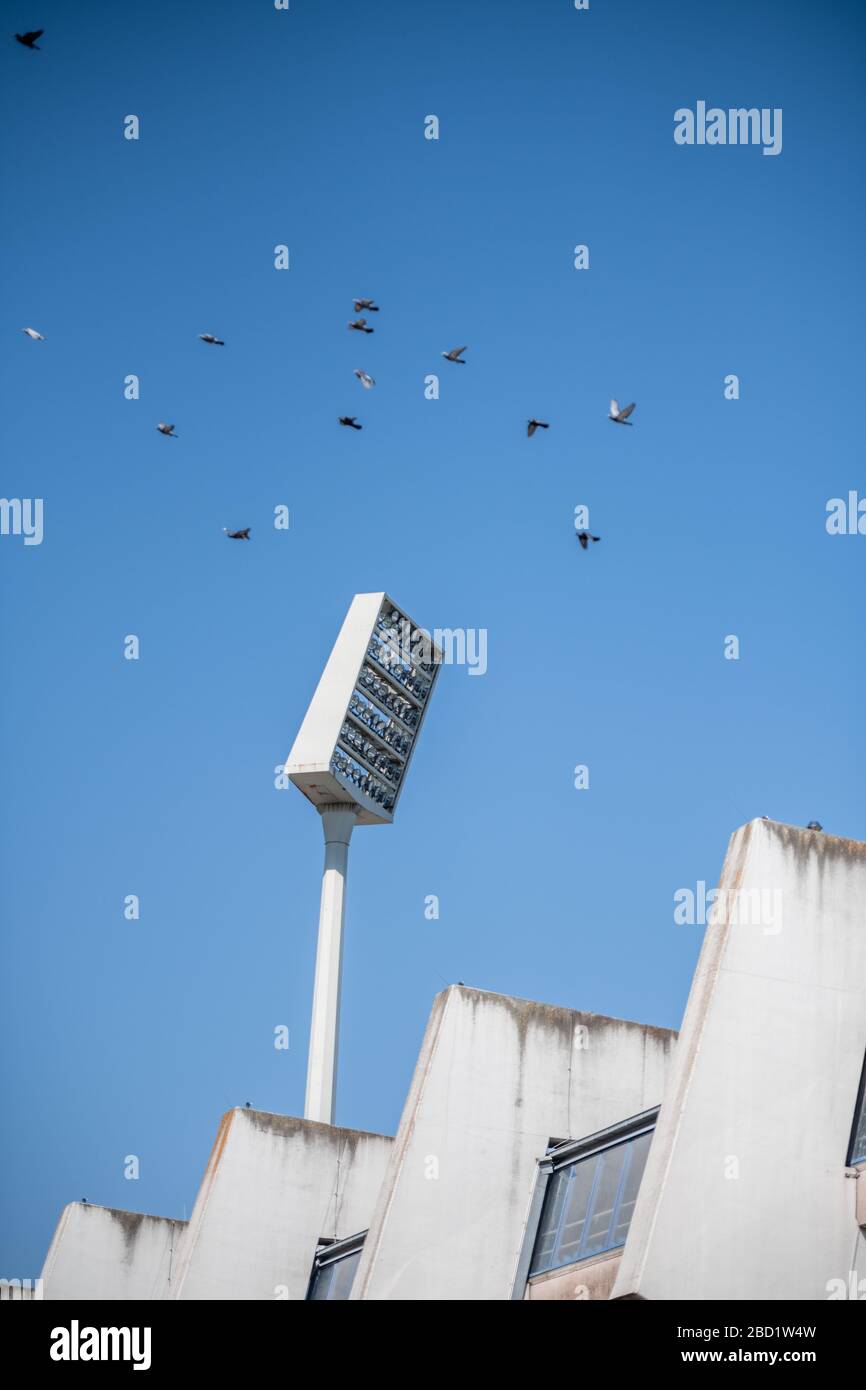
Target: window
(334, 1267)
(590, 1187)
(857, 1147)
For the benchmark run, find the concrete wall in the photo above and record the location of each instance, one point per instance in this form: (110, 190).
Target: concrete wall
(102, 1253)
(592, 1279)
(496, 1079)
(745, 1193)
(764, 1085)
(273, 1186)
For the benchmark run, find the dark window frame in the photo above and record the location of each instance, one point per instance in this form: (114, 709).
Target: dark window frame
(330, 1252)
(563, 1154)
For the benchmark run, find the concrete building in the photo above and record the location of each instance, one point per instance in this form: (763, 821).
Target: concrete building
(101, 1253)
(496, 1081)
(754, 1140)
(545, 1153)
(273, 1190)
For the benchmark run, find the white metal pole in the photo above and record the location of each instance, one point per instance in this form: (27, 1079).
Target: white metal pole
(338, 822)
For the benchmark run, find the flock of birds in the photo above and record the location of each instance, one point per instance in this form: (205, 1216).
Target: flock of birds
(360, 325)
(617, 414)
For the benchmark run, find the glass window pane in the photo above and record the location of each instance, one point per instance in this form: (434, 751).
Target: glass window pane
(334, 1281)
(598, 1236)
(322, 1282)
(574, 1222)
(344, 1275)
(546, 1240)
(589, 1204)
(638, 1151)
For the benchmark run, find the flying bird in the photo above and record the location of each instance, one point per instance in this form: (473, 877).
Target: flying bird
(533, 425)
(361, 326)
(351, 421)
(167, 429)
(454, 356)
(243, 535)
(584, 537)
(209, 338)
(814, 825)
(31, 333)
(29, 40)
(366, 304)
(620, 417)
(366, 381)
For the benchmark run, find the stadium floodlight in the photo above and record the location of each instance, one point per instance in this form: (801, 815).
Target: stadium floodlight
(350, 759)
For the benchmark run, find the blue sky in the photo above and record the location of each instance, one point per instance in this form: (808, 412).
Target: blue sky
(156, 777)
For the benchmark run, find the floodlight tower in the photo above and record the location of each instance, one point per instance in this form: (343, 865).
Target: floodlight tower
(350, 759)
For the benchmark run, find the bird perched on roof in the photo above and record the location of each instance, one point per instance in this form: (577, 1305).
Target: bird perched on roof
(31, 333)
(351, 421)
(814, 825)
(167, 430)
(243, 535)
(584, 537)
(366, 381)
(209, 338)
(247, 1105)
(366, 304)
(454, 356)
(29, 39)
(620, 417)
(360, 325)
(533, 425)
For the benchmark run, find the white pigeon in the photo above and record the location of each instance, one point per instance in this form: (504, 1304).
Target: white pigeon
(366, 381)
(31, 333)
(620, 417)
(167, 429)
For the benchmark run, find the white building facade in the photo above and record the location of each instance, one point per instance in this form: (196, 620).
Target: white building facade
(545, 1153)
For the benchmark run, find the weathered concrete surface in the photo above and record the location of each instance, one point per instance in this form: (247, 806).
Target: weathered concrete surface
(104, 1253)
(273, 1186)
(745, 1194)
(591, 1281)
(496, 1079)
